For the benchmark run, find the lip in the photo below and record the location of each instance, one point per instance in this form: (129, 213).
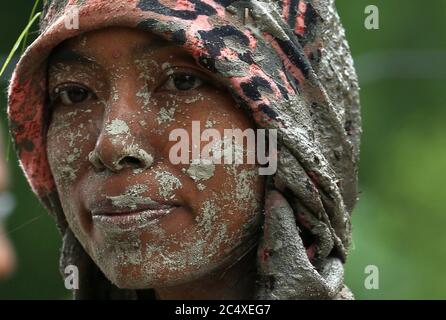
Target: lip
(112, 218)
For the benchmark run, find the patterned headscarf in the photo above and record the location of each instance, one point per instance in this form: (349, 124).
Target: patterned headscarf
(287, 63)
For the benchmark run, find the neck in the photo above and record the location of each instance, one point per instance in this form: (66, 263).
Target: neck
(236, 281)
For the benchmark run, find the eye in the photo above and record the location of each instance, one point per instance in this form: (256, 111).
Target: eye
(181, 82)
(72, 94)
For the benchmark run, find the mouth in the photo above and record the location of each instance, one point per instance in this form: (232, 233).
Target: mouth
(112, 218)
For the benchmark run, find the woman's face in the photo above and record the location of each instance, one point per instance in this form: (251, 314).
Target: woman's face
(116, 95)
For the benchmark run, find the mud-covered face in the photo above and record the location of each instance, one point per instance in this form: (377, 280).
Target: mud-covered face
(116, 96)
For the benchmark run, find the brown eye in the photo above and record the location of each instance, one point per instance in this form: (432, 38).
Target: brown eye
(72, 94)
(182, 82)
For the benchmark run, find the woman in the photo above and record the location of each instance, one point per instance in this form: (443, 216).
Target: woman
(92, 110)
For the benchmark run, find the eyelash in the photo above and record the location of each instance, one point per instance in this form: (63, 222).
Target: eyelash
(176, 76)
(177, 71)
(61, 93)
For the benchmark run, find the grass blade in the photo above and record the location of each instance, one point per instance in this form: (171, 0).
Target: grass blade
(33, 12)
(19, 40)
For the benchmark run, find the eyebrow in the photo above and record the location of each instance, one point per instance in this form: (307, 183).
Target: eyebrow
(64, 55)
(70, 56)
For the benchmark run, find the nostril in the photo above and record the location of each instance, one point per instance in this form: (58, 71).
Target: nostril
(130, 161)
(95, 160)
(118, 158)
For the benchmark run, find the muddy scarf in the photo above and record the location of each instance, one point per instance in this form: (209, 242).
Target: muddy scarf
(288, 64)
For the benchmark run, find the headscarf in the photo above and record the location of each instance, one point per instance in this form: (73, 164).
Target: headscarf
(288, 64)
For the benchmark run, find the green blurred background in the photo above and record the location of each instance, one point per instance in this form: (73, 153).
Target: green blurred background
(400, 219)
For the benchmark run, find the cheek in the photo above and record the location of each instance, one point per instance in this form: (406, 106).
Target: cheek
(229, 209)
(239, 197)
(70, 138)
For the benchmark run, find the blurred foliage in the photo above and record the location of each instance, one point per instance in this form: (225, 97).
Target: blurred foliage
(399, 221)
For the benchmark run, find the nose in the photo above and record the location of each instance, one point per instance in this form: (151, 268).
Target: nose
(118, 151)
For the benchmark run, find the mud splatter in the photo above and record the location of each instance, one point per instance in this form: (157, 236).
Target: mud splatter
(201, 169)
(166, 115)
(117, 126)
(132, 197)
(168, 183)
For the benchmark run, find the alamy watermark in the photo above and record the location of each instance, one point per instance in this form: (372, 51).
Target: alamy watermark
(261, 147)
(72, 17)
(371, 281)
(371, 22)
(71, 277)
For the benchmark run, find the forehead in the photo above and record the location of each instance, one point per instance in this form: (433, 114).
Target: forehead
(114, 43)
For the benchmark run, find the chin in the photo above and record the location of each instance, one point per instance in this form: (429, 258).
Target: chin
(137, 279)
(149, 275)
